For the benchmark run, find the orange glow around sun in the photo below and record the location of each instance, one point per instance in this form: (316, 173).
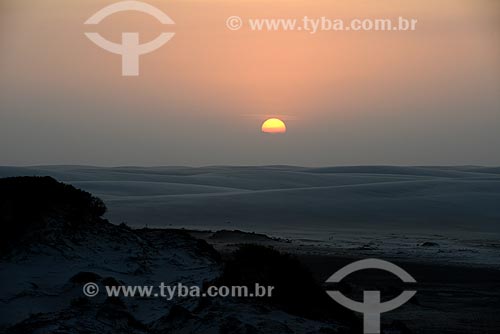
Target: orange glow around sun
(273, 125)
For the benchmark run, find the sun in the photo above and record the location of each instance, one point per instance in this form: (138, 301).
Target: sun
(273, 125)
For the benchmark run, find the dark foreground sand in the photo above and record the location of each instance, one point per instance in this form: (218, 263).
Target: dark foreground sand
(450, 299)
(56, 241)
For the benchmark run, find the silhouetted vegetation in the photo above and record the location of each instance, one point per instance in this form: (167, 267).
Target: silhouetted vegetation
(295, 291)
(30, 203)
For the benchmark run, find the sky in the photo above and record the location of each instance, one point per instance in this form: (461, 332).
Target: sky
(424, 97)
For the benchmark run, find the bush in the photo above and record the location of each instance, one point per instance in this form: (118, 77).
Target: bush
(29, 203)
(295, 289)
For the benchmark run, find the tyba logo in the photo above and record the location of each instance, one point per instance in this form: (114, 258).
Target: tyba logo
(371, 307)
(130, 49)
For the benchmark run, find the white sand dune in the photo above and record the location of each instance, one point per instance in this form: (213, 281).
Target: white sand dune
(457, 199)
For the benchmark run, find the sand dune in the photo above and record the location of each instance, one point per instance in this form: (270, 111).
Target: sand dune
(460, 199)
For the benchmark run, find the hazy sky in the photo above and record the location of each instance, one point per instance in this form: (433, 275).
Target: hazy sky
(426, 97)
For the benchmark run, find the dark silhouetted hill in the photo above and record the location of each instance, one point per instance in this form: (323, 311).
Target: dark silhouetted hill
(29, 204)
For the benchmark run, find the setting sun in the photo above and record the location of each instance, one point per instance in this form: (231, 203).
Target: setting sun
(273, 125)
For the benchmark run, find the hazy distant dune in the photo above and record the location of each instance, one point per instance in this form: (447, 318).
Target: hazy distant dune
(464, 198)
(396, 170)
(406, 205)
(251, 178)
(145, 188)
(489, 170)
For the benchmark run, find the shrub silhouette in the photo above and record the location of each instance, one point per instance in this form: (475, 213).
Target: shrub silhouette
(295, 289)
(30, 203)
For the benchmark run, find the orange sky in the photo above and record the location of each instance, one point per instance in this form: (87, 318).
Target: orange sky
(211, 88)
